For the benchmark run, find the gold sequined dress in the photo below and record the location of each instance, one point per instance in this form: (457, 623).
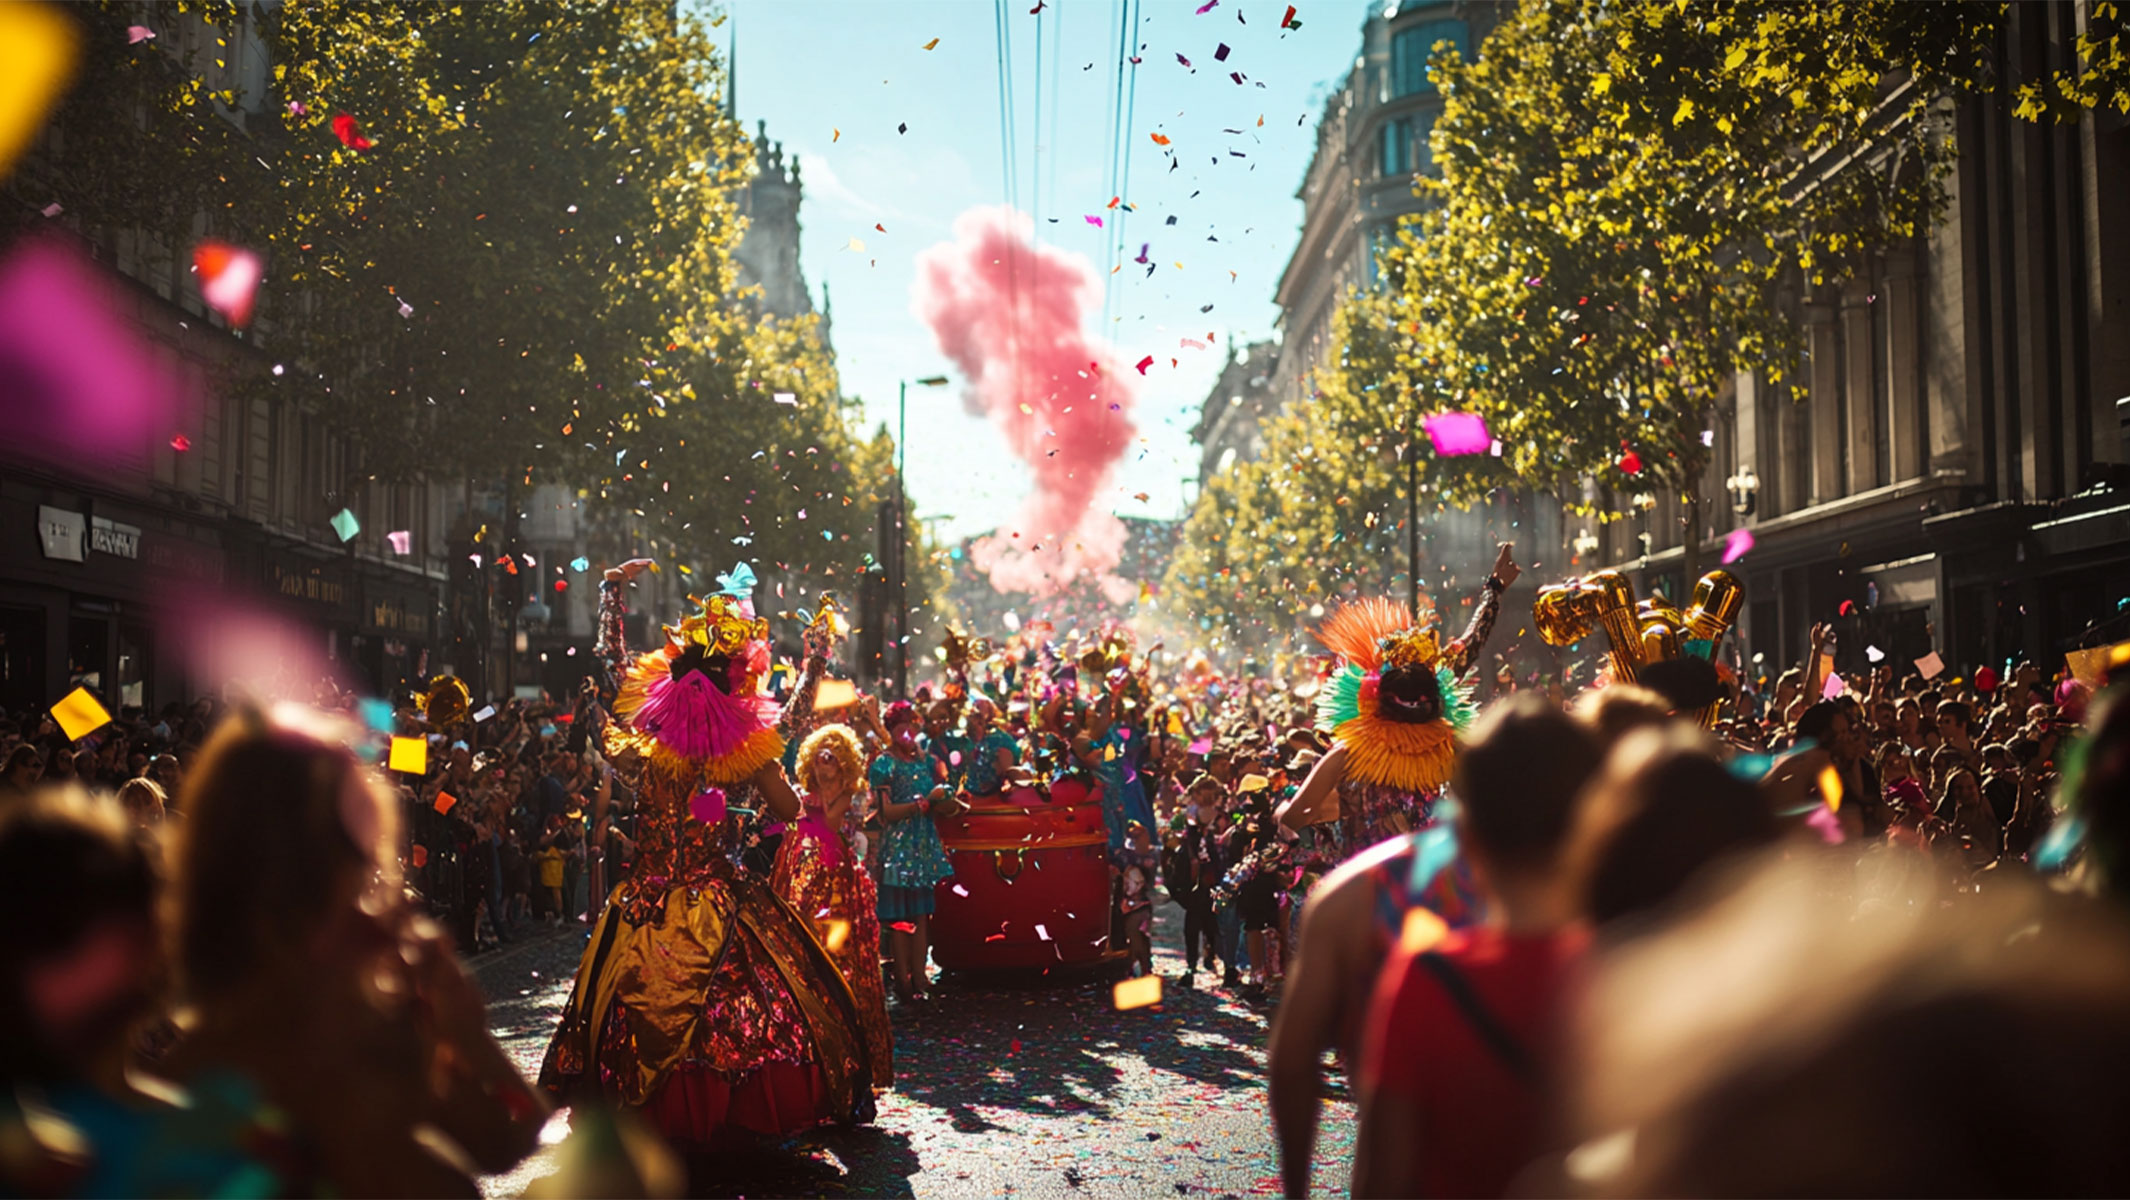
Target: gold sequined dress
(704, 1000)
(822, 877)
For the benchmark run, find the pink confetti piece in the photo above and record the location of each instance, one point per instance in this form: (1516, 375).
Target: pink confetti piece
(1094, 220)
(1207, 7)
(229, 278)
(402, 541)
(1833, 687)
(180, 443)
(708, 806)
(136, 34)
(1458, 433)
(1736, 545)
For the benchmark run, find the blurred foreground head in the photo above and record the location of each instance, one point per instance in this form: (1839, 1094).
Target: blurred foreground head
(1662, 813)
(1777, 1042)
(285, 835)
(78, 952)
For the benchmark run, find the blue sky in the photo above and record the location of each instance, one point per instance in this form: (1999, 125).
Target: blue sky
(811, 69)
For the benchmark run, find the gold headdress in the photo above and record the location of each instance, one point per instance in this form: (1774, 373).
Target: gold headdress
(724, 626)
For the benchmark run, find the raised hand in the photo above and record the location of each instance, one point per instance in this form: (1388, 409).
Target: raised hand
(1505, 568)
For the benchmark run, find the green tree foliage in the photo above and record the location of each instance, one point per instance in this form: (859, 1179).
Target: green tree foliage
(526, 276)
(2100, 81)
(1323, 512)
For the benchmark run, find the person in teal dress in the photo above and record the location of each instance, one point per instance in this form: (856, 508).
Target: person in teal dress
(993, 756)
(909, 786)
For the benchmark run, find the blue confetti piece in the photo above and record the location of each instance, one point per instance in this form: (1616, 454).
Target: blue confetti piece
(377, 714)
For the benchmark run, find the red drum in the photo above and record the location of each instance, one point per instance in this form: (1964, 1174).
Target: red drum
(1021, 863)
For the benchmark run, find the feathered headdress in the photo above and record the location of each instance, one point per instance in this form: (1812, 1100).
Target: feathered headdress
(698, 699)
(1375, 637)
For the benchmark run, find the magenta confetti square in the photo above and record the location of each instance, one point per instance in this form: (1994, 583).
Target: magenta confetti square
(76, 379)
(1457, 433)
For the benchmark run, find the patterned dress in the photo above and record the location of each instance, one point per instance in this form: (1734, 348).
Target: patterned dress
(912, 858)
(825, 881)
(704, 1000)
(1370, 811)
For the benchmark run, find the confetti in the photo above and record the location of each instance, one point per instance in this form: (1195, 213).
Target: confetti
(419, 856)
(1874, 654)
(1094, 220)
(1159, 139)
(1286, 22)
(835, 932)
(1136, 993)
(1221, 55)
(931, 44)
(708, 806)
(1630, 463)
(80, 714)
(229, 278)
(1457, 433)
(1833, 688)
(401, 541)
(1144, 363)
(345, 524)
(409, 755)
(1830, 787)
(1207, 7)
(37, 48)
(445, 802)
(790, 398)
(1736, 545)
(345, 129)
(180, 443)
(136, 34)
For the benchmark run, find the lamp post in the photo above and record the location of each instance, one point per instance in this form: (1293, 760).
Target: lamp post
(902, 532)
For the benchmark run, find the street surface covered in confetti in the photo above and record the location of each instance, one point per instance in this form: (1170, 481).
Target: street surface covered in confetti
(1026, 1088)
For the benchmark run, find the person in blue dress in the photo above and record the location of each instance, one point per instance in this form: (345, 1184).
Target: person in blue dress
(1105, 749)
(909, 787)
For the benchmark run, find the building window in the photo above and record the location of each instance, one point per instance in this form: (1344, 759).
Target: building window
(1397, 152)
(1423, 145)
(1409, 49)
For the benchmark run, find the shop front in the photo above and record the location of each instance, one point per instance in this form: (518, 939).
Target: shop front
(91, 591)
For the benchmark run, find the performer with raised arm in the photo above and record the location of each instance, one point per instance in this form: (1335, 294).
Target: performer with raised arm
(704, 999)
(1394, 709)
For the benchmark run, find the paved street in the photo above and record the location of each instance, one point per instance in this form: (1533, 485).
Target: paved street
(1020, 1090)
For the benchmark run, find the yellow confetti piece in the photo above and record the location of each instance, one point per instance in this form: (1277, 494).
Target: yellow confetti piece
(1137, 993)
(835, 693)
(78, 712)
(37, 49)
(1830, 787)
(1422, 930)
(834, 934)
(409, 754)
(836, 135)
(929, 45)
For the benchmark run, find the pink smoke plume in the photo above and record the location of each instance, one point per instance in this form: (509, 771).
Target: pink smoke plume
(1011, 315)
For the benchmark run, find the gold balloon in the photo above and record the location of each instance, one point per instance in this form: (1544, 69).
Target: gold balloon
(447, 701)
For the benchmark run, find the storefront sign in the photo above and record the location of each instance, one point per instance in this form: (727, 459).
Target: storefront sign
(60, 533)
(394, 615)
(110, 537)
(309, 585)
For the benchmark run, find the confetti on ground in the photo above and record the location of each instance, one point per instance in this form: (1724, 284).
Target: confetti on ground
(1136, 993)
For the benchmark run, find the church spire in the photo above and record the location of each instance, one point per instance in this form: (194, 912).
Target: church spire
(732, 73)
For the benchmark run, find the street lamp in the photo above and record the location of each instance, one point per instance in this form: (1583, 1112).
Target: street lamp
(1745, 491)
(902, 532)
